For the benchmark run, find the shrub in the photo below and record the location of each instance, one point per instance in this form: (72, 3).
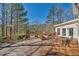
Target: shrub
(1, 39)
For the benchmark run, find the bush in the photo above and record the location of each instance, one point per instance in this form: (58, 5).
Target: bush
(15, 38)
(5, 39)
(1, 39)
(27, 35)
(19, 37)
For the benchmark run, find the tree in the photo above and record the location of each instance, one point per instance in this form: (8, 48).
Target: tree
(75, 10)
(20, 16)
(51, 18)
(13, 20)
(59, 14)
(3, 20)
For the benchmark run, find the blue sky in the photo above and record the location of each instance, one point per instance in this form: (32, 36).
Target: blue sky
(39, 11)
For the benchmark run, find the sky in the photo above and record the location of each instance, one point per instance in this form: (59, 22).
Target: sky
(39, 11)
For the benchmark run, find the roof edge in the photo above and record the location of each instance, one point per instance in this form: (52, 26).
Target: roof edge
(67, 22)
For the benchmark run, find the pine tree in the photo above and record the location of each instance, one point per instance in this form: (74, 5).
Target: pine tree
(3, 20)
(50, 18)
(13, 20)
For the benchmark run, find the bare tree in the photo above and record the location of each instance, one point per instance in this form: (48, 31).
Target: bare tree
(60, 14)
(50, 18)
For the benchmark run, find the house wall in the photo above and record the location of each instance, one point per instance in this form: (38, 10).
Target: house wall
(67, 26)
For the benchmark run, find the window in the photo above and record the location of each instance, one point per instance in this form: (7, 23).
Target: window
(58, 31)
(70, 31)
(64, 31)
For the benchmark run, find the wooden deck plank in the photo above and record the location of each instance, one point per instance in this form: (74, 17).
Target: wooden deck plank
(43, 50)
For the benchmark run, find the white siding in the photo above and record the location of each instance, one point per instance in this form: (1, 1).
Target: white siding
(74, 25)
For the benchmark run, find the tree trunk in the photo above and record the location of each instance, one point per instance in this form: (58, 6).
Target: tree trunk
(11, 22)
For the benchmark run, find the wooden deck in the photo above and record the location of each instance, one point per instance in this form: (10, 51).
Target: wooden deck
(39, 47)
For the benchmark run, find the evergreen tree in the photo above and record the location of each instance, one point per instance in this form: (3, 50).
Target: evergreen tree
(13, 19)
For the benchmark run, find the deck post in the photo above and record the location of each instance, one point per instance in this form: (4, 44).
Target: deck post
(77, 6)
(67, 32)
(78, 28)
